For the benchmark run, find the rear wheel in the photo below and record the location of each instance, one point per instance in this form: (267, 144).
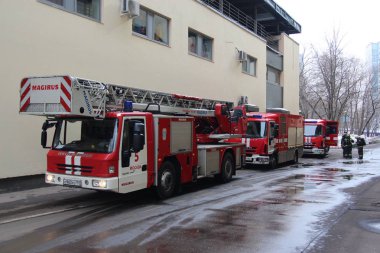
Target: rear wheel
(295, 159)
(227, 169)
(167, 180)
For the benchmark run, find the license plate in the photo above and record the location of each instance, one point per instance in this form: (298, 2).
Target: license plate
(72, 182)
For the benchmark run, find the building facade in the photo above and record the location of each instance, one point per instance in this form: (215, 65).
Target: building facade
(206, 48)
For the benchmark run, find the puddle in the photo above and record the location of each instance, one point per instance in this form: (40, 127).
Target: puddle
(355, 162)
(371, 225)
(307, 164)
(336, 170)
(290, 190)
(348, 177)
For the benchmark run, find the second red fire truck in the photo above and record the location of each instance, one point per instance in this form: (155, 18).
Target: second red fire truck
(320, 135)
(273, 137)
(121, 139)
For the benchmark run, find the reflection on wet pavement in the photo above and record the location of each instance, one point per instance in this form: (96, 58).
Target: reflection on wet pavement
(355, 162)
(371, 225)
(276, 211)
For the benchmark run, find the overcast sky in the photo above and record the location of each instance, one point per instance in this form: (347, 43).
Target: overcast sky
(357, 21)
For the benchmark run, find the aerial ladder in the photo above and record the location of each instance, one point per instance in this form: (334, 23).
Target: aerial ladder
(89, 98)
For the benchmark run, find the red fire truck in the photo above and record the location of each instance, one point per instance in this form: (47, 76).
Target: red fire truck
(320, 135)
(122, 139)
(273, 137)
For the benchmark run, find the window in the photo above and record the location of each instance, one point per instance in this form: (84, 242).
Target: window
(313, 130)
(249, 66)
(88, 8)
(283, 125)
(273, 75)
(85, 135)
(152, 26)
(256, 129)
(200, 45)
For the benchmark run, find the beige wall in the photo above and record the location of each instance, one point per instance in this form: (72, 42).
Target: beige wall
(40, 40)
(290, 75)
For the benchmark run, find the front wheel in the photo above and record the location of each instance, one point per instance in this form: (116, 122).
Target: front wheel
(167, 180)
(273, 162)
(227, 169)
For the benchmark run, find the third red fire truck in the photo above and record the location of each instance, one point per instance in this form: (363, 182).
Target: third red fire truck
(122, 139)
(320, 135)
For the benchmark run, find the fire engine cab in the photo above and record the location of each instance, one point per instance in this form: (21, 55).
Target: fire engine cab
(320, 135)
(121, 139)
(273, 137)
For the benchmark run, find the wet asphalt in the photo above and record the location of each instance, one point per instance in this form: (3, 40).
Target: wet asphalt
(318, 205)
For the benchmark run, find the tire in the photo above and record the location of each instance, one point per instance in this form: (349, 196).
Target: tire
(227, 169)
(324, 154)
(167, 180)
(273, 162)
(295, 159)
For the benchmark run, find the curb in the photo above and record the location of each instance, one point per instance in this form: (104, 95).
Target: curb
(23, 183)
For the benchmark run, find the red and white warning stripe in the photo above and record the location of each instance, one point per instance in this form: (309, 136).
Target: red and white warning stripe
(68, 161)
(73, 159)
(66, 93)
(25, 94)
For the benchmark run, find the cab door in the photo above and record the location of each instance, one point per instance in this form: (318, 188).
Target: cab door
(271, 137)
(133, 173)
(332, 133)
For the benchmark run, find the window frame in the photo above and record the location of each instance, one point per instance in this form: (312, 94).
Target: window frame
(277, 73)
(150, 26)
(199, 43)
(251, 59)
(60, 7)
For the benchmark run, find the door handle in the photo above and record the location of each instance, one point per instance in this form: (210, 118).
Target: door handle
(143, 167)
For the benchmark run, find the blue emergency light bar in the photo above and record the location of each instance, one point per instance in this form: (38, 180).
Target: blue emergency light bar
(128, 106)
(257, 116)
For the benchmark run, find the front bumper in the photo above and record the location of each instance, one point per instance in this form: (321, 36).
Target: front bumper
(256, 159)
(93, 183)
(313, 151)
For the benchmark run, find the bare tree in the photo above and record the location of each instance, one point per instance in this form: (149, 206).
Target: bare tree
(332, 80)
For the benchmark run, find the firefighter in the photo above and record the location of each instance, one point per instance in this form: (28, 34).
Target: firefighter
(346, 144)
(360, 142)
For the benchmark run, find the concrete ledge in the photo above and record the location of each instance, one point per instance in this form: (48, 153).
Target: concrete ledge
(15, 184)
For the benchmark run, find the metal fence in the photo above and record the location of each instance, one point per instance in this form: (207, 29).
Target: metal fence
(235, 14)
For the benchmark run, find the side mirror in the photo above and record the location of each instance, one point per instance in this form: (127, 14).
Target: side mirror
(276, 130)
(138, 137)
(43, 138)
(47, 124)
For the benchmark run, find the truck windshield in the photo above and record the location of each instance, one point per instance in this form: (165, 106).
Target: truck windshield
(256, 129)
(85, 135)
(313, 130)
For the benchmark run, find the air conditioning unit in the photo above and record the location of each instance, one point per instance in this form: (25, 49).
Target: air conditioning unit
(243, 56)
(131, 8)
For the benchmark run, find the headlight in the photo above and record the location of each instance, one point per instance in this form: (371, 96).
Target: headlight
(99, 183)
(50, 178)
